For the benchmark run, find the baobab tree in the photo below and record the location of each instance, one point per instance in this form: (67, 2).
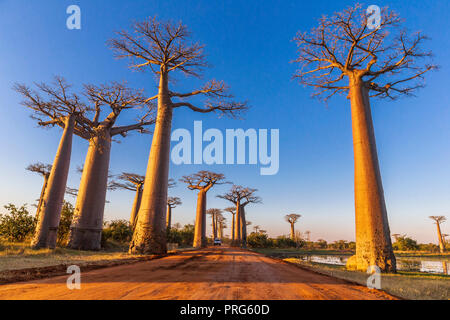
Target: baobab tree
(165, 48)
(248, 198)
(86, 229)
(202, 181)
(58, 107)
(308, 235)
(344, 54)
(438, 220)
(215, 214)
(240, 197)
(221, 224)
(292, 219)
(256, 228)
(172, 202)
(132, 182)
(44, 170)
(232, 211)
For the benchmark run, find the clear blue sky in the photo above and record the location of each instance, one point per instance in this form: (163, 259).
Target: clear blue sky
(249, 45)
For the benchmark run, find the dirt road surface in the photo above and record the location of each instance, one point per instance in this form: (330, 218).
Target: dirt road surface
(208, 274)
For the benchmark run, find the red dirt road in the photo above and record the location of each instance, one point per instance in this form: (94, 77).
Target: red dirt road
(212, 273)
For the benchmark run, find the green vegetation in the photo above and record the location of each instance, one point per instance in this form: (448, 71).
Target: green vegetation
(17, 225)
(184, 237)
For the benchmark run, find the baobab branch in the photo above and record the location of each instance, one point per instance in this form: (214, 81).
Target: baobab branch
(235, 147)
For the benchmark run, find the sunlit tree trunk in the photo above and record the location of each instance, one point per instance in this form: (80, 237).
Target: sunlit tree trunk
(214, 226)
(42, 196)
(49, 212)
(150, 232)
(200, 221)
(135, 208)
(233, 228)
(373, 242)
(244, 228)
(292, 231)
(441, 240)
(87, 224)
(237, 226)
(169, 217)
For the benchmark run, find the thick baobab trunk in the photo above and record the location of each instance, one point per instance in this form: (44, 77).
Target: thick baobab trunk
(44, 186)
(232, 228)
(169, 217)
(220, 232)
(244, 228)
(214, 226)
(135, 208)
(49, 212)
(292, 231)
(373, 241)
(87, 224)
(149, 236)
(237, 226)
(200, 221)
(441, 240)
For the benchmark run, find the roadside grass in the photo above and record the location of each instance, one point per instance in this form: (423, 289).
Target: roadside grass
(403, 284)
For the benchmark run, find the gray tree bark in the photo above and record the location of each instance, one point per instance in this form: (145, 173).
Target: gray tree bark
(49, 212)
(87, 224)
(135, 208)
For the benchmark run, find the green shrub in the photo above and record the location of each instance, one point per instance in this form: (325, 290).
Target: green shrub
(65, 222)
(258, 240)
(117, 230)
(184, 237)
(284, 242)
(404, 243)
(17, 225)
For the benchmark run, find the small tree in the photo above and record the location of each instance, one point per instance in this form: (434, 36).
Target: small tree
(292, 219)
(165, 48)
(65, 222)
(202, 181)
(172, 202)
(438, 220)
(17, 225)
(214, 213)
(132, 182)
(44, 170)
(344, 55)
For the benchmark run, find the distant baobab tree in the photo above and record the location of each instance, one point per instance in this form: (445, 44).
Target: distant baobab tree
(292, 219)
(132, 182)
(86, 229)
(165, 48)
(308, 235)
(343, 55)
(202, 181)
(256, 228)
(396, 236)
(172, 202)
(214, 213)
(438, 220)
(60, 108)
(232, 211)
(44, 170)
(240, 197)
(221, 224)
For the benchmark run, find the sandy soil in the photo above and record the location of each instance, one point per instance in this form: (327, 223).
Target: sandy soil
(212, 273)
